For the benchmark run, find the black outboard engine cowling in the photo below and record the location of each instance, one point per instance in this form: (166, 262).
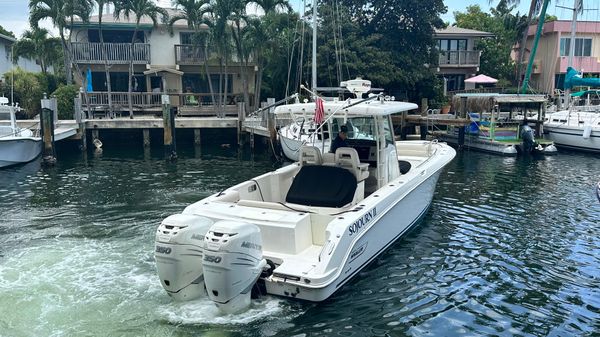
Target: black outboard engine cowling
(528, 137)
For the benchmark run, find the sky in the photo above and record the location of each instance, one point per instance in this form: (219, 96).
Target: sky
(15, 12)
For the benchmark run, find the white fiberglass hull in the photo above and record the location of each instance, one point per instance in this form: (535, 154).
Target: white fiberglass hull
(395, 215)
(292, 142)
(573, 138)
(313, 268)
(574, 130)
(17, 150)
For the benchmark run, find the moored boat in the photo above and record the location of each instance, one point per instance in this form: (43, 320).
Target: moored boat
(17, 145)
(304, 230)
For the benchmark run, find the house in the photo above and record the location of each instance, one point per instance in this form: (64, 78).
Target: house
(6, 64)
(165, 61)
(552, 57)
(458, 58)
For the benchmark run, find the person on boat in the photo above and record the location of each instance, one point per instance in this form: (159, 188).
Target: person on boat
(340, 139)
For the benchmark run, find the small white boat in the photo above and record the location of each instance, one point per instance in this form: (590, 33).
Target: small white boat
(574, 129)
(17, 145)
(304, 230)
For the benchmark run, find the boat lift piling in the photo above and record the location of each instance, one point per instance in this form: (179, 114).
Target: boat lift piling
(47, 129)
(461, 130)
(80, 121)
(423, 128)
(169, 129)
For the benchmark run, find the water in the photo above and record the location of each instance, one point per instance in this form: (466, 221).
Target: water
(510, 247)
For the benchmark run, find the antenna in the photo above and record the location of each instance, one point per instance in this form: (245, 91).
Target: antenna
(12, 73)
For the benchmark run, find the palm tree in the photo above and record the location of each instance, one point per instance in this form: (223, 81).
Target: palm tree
(37, 44)
(193, 11)
(101, 4)
(139, 9)
(217, 16)
(61, 13)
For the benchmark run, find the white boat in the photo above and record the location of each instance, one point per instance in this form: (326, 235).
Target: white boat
(578, 127)
(304, 230)
(303, 130)
(578, 130)
(17, 145)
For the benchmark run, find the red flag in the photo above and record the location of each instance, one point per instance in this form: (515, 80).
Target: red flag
(319, 111)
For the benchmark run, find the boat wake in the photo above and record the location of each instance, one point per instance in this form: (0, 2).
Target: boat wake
(203, 311)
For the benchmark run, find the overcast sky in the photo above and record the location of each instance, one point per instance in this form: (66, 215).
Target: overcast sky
(15, 13)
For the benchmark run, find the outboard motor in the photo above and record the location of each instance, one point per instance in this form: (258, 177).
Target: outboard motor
(528, 139)
(178, 253)
(232, 263)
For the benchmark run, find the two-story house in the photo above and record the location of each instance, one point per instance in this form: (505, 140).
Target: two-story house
(552, 57)
(165, 61)
(458, 58)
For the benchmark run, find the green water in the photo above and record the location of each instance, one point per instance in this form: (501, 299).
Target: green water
(510, 246)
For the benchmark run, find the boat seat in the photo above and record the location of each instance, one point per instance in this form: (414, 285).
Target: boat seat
(310, 155)
(322, 186)
(348, 158)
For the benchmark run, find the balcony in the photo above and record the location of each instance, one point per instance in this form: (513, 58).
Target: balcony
(187, 54)
(459, 58)
(116, 53)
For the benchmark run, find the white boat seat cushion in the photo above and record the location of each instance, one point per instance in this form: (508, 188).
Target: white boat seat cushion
(348, 158)
(310, 155)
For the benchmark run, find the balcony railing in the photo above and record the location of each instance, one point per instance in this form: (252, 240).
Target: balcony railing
(189, 54)
(120, 53)
(459, 58)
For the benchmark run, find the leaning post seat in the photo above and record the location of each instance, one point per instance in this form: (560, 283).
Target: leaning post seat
(310, 155)
(348, 158)
(322, 186)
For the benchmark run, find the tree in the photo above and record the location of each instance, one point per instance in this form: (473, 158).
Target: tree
(101, 4)
(192, 11)
(28, 90)
(38, 45)
(405, 29)
(138, 9)
(6, 32)
(62, 14)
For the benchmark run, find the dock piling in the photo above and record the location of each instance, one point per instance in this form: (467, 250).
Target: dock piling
(197, 137)
(169, 129)
(47, 128)
(461, 130)
(424, 108)
(146, 135)
(80, 120)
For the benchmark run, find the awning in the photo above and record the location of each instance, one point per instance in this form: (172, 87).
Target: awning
(163, 70)
(481, 79)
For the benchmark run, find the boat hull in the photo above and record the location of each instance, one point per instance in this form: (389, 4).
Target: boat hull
(398, 213)
(573, 138)
(16, 150)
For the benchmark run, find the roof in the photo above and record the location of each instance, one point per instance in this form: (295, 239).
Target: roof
(452, 31)
(370, 108)
(506, 98)
(109, 20)
(10, 39)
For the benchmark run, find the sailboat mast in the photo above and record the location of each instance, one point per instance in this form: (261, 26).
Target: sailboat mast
(314, 47)
(576, 6)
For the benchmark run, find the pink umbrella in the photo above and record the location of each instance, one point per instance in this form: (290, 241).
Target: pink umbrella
(481, 79)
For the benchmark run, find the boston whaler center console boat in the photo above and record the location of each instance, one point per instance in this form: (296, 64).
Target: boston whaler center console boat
(304, 230)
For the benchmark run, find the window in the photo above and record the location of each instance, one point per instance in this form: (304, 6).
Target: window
(583, 46)
(445, 44)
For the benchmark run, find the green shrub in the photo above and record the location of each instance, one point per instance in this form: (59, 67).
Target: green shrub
(28, 91)
(64, 100)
